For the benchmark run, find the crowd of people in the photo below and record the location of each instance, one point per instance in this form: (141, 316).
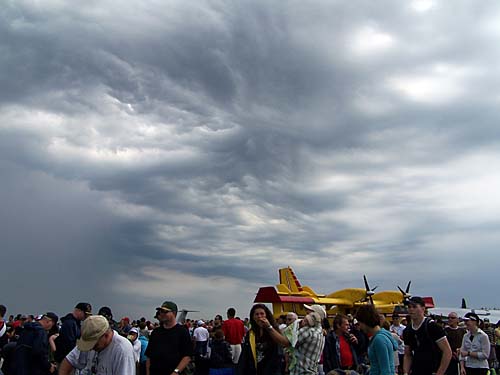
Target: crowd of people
(366, 343)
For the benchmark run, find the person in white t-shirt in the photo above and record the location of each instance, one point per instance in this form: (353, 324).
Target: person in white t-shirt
(200, 338)
(398, 328)
(100, 351)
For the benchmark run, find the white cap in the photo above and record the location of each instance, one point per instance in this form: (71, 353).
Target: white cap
(317, 309)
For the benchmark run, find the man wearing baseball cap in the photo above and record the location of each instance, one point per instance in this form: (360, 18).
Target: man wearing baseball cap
(108, 314)
(31, 355)
(427, 350)
(70, 329)
(308, 343)
(169, 350)
(100, 350)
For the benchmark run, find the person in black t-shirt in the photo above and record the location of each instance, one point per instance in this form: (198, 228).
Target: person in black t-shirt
(427, 350)
(455, 334)
(169, 350)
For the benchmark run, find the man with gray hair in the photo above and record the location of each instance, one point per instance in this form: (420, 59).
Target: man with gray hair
(100, 351)
(290, 318)
(454, 334)
(309, 343)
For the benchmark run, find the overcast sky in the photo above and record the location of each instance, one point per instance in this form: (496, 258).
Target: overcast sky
(186, 150)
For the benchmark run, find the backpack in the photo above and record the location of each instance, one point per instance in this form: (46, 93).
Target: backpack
(3, 337)
(3, 328)
(220, 354)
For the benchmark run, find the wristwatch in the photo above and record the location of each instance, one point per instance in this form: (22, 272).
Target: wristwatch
(270, 328)
(177, 371)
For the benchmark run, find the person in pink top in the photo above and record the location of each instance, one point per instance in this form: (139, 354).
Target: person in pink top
(234, 331)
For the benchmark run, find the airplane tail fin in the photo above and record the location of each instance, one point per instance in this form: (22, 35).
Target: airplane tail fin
(290, 283)
(181, 317)
(464, 304)
(288, 278)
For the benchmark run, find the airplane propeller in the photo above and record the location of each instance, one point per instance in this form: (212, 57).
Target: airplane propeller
(406, 293)
(369, 292)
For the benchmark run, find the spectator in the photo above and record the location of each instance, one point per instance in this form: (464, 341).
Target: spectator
(339, 353)
(3, 328)
(497, 342)
(133, 337)
(144, 339)
(398, 328)
(124, 326)
(70, 330)
(382, 345)
(310, 342)
(455, 334)
(31, 355)
(260, 352)
(3, 325)
(200, 338)
(475, 349)
(108, 314)
(291, 332)
(234, 331)
(169, 349)
(221, 359)
(8, 350)
(427, 350)
(489, 329)
(100, 351)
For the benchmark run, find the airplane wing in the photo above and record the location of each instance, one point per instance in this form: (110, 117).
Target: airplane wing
(333, 301)
(269, 294)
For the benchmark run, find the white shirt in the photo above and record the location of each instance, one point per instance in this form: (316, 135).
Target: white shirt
(399, 331)
(116, 359)
(137, 349)
(201, 334)
(480, 344)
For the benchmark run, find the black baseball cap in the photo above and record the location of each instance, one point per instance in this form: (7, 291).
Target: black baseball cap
(85, 307)
(49, 315)
(52, 316)
(105, 311)
(472, 316)
(416, 301)
(168, 306)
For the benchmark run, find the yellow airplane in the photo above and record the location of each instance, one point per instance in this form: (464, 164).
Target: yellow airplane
(290, 296)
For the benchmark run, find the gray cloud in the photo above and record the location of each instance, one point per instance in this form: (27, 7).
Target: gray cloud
(218, 142)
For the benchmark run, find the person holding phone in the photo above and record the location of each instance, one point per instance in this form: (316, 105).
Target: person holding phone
(339, 352)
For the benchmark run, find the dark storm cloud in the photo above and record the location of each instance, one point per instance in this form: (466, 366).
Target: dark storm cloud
(225, 140)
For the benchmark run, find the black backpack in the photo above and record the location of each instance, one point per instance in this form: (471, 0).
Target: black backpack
(220, 354)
